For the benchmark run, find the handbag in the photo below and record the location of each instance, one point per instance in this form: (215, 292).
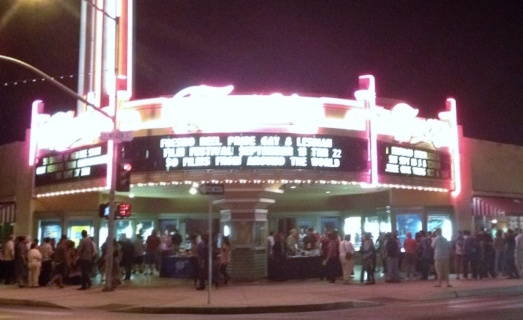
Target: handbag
(348, 255)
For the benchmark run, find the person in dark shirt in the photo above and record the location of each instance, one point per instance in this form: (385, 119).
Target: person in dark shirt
(277, 259)
(60, 263)
(152, 252)
(392, 250)
(176, 240)
(309, 241)
(127, 248)
(510, 246)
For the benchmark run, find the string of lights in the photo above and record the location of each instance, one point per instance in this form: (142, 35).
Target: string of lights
(36, 80)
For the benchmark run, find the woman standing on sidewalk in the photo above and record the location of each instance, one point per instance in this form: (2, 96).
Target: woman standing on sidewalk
(34, 263)
(411, 248)
(225, 252)
(347, 258)
(368, 257)
(331, 267)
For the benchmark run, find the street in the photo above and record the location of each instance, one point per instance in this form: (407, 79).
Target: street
(506, 307)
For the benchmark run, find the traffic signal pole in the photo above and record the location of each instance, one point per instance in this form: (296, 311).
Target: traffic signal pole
(109, 245)
(116, 148)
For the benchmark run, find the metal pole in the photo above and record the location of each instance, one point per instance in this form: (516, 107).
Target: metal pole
(209, 273)
(110, 223)
(116, 154)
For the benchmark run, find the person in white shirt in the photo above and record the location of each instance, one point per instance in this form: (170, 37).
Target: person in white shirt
(9, 260)
(34, 264)
(46, 249)
(347, 258)
(441, 248)
(270, 243)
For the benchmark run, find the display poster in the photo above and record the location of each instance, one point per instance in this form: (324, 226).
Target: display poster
(247, 151)
(51, 231)
(76, 233)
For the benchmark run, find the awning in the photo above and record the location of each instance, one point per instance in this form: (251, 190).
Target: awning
(7, 212)
(497, 206)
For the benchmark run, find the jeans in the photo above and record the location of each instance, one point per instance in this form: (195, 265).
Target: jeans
(85, 269)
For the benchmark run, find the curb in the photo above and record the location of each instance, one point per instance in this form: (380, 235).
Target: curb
(30, 303)
(475, 293)
(249, 310)
(209, 309)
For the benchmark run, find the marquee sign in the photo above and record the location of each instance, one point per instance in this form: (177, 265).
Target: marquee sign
(402, 160)
(203, 127)
(74, 165)
(247, 150)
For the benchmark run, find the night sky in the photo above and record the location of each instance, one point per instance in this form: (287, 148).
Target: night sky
(421, 52)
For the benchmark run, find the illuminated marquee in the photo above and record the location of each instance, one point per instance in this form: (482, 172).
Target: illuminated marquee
(203, 109)
(413, 162)
(79, 164)
(213, 128)
(248, 150)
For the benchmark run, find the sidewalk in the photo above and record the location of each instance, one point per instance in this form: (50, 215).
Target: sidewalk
(151, 294)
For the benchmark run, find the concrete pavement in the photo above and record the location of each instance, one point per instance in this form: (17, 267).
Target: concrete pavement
(151, 294)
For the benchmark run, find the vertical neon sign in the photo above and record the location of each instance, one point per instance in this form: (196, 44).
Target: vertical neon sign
(453, 121)
(37, 108)
(368, 92)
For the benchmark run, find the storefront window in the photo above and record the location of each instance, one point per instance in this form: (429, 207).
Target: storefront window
(372, 225)
(168, 225)
(50, 229)
(352, 226)
(122, 227)
(75, 230)
(304, 224)
(377, 224)
(440, 221)
(145, 228)
(329, 223)
(408, 223)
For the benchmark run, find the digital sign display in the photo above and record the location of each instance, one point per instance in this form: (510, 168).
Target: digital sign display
(246, 151)
(73, 165)
(414, 162)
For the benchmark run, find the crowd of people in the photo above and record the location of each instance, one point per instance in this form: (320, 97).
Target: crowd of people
(420, 257)
(32, 263)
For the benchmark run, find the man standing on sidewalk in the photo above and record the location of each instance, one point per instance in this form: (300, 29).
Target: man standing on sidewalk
(9, 260)
(441, 248)
(85, 253)
(518, 252)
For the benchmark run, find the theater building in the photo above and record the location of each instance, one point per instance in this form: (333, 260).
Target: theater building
(354, 164)
(284, 161)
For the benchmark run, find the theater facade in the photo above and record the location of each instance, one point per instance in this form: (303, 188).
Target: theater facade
(284, 161)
